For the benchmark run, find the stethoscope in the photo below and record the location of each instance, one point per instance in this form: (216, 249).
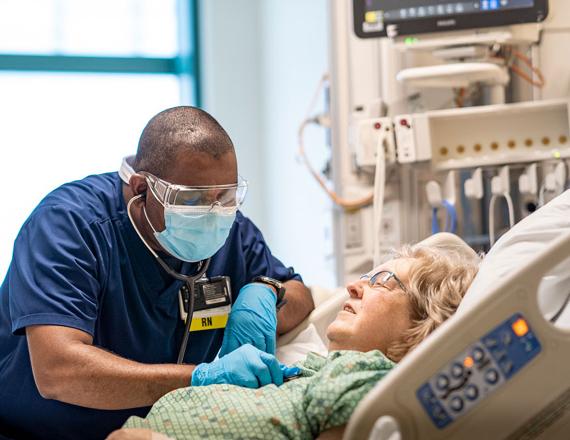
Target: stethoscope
(125, 172)
(188, 279)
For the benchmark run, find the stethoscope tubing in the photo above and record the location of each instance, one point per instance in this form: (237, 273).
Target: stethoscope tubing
(188, 279)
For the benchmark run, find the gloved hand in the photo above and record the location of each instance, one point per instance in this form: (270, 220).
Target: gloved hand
(289, 372)
(253, 320)
(246, 367)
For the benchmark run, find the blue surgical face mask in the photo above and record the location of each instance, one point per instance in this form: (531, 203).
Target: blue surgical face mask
(194, 234)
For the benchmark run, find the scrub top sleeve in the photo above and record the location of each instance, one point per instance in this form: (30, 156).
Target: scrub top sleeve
(259, 260)
(53, 278)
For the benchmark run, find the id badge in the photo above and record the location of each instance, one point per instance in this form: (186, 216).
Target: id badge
(210, 319)
(212, 303)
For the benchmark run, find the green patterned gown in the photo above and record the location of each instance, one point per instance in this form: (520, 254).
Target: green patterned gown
(323, 397)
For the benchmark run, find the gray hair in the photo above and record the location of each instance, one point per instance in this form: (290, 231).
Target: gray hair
(438, 279)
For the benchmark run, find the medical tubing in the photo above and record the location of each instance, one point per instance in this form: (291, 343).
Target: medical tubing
(510, 208)
(541, 195)
(509, 60)
(322, 81)
(558, 314)
(434, 223)
(349, 204)
(379, 192)
(535, 70)
(492, 219)
(451, 217)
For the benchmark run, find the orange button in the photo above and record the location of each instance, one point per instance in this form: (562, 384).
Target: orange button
(468, 362)
(520, 327)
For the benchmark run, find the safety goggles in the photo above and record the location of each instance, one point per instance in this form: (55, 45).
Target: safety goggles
(384, 279)
(180, 196)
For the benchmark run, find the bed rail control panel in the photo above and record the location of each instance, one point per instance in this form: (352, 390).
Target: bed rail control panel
(478, 371)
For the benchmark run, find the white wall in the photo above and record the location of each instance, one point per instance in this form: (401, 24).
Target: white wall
(230, 76)
(261, 62)
(295, 55)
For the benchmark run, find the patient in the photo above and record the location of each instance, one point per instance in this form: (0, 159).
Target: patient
(389, 312)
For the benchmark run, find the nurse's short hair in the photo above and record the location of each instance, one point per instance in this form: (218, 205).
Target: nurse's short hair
(437, 280)
(175, 130)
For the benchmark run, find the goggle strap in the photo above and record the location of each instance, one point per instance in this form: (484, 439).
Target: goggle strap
(148, 220)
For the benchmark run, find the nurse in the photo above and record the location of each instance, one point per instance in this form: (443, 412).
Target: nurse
(93, 310)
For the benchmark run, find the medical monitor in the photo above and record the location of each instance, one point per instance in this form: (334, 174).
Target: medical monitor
(392, 18)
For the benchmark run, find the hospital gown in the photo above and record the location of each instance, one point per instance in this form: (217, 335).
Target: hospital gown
(323, 397)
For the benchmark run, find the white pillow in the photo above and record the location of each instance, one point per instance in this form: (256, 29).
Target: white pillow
(306, 341)
(518, 246)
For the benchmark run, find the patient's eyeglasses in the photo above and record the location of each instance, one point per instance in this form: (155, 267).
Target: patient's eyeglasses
(383, 280)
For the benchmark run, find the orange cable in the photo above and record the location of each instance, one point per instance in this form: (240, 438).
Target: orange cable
(518, 71)
(348, 204)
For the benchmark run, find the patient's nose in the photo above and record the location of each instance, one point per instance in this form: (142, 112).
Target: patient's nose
(356, 288)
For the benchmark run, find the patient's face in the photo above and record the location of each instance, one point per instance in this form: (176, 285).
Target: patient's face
(373, 318)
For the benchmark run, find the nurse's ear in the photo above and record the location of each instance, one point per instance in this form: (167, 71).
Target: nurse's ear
(138, 184)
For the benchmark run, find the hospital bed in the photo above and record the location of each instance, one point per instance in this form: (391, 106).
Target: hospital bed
(498, 369)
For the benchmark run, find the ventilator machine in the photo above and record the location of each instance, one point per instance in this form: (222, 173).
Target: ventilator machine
(453, 117)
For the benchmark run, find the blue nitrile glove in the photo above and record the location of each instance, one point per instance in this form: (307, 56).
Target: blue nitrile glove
(246, 367)
(253, 320)
(289, 372)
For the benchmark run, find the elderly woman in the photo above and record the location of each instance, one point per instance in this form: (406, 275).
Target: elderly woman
(389, 312)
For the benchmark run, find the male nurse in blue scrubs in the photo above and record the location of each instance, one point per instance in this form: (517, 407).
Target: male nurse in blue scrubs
(90, 325)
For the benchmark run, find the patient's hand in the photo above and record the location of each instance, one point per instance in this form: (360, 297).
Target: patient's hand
(136, 434)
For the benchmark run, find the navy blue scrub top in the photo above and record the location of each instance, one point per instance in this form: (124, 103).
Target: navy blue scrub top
(79, 263)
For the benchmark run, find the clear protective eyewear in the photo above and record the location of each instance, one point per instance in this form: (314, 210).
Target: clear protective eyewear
(383, 280)
(171, 195)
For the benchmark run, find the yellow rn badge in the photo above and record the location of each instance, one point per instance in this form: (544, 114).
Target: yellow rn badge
(210, 319)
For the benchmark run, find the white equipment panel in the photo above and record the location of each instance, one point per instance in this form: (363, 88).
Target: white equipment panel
(485, 136)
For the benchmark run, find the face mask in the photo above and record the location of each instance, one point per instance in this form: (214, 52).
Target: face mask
(194, 234)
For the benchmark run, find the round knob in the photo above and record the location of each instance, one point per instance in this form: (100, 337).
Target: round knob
(471, 392)
(457, 370)
(456, 404)
(491, 376)
(478, 354)
(442, 382)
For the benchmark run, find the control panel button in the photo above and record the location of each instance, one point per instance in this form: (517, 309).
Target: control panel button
(499, 354)
(439, 413)
(491, 376)
(506, 337)
(481, 368)
(457, 370)
(471, 392)
(442, 382)
(456, 403)
(506, 365)
(478, 354)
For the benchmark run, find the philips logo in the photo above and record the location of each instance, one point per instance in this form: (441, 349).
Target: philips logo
(446, 23)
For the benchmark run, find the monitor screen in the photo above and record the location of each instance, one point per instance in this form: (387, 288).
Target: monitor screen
(381, 18)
